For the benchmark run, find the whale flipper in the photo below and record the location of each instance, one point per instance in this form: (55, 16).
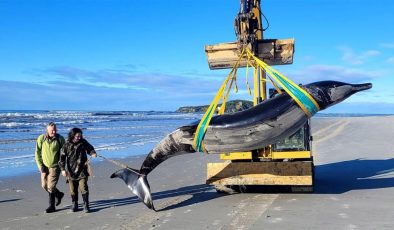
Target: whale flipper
(137, 183)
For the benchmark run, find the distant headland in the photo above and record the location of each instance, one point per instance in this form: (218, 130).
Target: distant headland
(231, 107)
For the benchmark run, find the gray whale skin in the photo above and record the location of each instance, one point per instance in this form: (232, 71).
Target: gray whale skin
(254, 128)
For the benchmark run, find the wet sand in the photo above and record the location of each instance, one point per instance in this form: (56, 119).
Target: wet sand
(354, 187)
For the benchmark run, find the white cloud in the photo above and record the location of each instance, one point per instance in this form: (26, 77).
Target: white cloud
(387, 45)
(307, 58)
(74, 96)
(64, 95)
(329, 72)
(73, 88)
(390, 60)
(154, 82)
(357, 58)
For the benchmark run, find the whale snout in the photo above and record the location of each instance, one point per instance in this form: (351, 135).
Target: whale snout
(328, 93)
(361, 87)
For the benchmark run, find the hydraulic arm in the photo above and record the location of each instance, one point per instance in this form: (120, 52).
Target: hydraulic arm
(289, 162)
(247, 24)
(249, 31)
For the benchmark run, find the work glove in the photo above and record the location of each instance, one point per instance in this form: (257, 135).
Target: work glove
(64, 173)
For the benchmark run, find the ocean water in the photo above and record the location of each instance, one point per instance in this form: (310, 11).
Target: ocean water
(113, 134)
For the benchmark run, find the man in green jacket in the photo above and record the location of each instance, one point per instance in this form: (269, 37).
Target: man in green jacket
(47, 157)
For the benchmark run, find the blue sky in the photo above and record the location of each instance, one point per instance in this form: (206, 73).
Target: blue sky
(149, 55)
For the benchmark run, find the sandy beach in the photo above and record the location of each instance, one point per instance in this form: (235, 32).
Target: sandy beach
(354, 187)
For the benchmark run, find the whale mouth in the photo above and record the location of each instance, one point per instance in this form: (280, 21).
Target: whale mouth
(360, 87)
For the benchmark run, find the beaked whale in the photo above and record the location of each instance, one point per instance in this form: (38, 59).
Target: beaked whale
(254, 128)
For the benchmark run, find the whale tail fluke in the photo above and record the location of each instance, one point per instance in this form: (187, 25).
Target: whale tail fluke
(137, 183)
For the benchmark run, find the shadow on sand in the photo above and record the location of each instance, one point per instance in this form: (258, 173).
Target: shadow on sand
(200, 193)
(358, 174)
(9, 200)
(333, 178)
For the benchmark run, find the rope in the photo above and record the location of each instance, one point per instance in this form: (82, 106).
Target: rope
(89, 166)
(120, 165)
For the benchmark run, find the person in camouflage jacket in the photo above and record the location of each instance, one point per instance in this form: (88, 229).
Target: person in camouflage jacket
(74, 165)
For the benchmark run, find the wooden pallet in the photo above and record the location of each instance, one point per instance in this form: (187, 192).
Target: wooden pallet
(297, 174)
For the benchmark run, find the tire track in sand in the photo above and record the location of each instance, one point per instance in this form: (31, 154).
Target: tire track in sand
(150, 219)
(327, 133)
(248, 211)
(323, 134)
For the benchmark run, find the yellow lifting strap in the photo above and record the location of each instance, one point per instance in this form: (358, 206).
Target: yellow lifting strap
(249, 63)
(206, 119)
(302, 98)
(224, 100)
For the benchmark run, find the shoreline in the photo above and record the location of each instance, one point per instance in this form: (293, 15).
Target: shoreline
(32, 168)
(96, 164)
(353, 190)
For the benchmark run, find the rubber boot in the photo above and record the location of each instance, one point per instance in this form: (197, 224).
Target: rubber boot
(86, 202)
(59, 196)
(74, 206)
(51, 207)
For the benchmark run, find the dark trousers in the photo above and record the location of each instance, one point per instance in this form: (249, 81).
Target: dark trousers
(81, 184)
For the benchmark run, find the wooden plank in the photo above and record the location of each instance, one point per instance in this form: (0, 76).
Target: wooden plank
(260, 173)
(272, 51)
